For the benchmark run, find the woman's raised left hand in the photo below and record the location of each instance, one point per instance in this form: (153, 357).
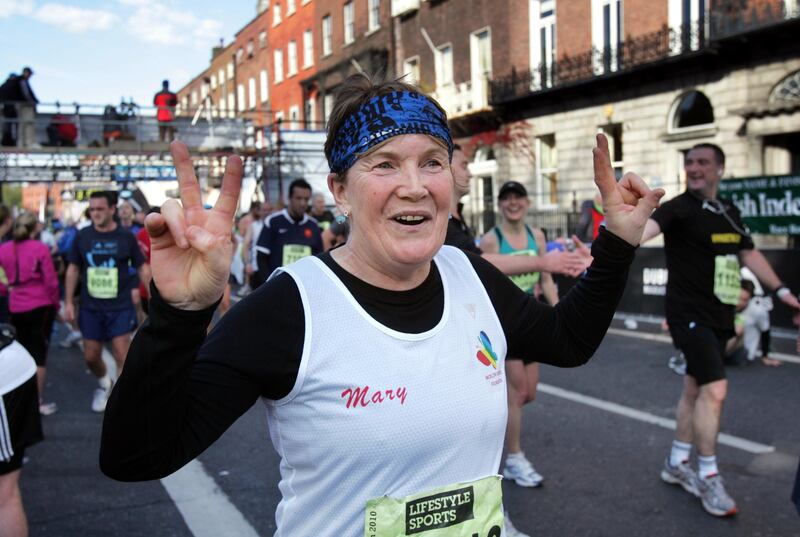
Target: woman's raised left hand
(628, 203)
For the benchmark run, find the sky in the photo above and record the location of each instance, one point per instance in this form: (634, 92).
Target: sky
(97, 52)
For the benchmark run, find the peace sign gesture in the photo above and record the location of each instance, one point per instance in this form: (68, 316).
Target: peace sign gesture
(191, 248)
(627, 204)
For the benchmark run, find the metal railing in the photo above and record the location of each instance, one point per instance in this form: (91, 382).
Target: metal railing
(125, 127)
(728, 21)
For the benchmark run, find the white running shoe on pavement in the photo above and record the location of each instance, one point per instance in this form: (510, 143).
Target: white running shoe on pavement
(682, 475)
(101, 398)
(70, 339)
(522, 471)
(715, 498)
(511, 531)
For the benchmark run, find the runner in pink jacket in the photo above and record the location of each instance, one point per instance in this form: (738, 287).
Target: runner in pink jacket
(33, 294)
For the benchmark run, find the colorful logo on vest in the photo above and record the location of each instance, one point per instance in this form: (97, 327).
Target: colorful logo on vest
(486, 354)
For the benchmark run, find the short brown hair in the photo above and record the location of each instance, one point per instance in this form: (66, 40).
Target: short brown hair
(719, 154)
(356, 91)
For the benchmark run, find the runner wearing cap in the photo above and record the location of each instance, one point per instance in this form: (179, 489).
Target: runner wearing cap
(514, 237)
(460, 235)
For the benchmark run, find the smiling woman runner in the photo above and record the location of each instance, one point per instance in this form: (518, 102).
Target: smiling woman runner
(380, 363)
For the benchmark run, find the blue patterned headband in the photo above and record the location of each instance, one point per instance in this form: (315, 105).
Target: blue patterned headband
(383, 117)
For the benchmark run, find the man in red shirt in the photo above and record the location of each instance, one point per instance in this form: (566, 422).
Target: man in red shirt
(165, 101)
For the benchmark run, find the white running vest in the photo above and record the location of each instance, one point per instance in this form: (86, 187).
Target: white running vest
(378, 412)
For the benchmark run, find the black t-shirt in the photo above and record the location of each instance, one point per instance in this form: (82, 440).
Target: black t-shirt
(460, 236)
(698, 235)
(107, 261)
(182, 389)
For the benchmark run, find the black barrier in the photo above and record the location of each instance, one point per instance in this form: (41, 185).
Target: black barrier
(647, 283)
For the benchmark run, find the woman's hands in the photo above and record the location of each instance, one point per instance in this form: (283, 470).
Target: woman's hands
(191, 248)
(628, 203)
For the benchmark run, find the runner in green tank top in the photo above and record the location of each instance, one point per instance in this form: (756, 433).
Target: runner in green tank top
(515, 237)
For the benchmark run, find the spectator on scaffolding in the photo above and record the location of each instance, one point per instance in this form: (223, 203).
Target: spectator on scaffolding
(9, 94)
(165, 101)
(61, 132)
(26, 110)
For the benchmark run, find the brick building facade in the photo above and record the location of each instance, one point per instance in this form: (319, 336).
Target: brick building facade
(351, 36)
(657, 78)
(291, 39)
(527, 83)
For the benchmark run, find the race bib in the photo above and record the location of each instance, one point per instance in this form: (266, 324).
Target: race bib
(294, 252)
(102, 282)
(727, 283)
(461, 510)
(528, 280)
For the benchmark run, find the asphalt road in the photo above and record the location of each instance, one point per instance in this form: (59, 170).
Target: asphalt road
(590, 433)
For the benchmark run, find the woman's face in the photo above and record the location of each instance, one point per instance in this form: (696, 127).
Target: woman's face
(398, 198)
(514, 206)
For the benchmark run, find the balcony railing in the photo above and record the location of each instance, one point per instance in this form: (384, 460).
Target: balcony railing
(631, 53)
(463, 98)
(717, 24)
(731, 20)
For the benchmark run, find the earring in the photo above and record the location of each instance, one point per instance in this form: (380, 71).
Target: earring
(347, 214)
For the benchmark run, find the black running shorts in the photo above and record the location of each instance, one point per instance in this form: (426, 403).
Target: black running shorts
(20, 424)
(704, 349)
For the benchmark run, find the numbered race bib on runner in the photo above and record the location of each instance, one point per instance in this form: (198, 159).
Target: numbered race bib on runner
(461, 510)
(102, 282)
(727, 279)
(294, 252)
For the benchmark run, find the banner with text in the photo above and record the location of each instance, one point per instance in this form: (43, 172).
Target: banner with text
(769, 204)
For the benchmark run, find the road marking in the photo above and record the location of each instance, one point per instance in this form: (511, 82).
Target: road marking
(726, 439)
(206, 510)
(788, 358)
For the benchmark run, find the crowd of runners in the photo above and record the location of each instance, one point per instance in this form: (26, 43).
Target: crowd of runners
(357, 326)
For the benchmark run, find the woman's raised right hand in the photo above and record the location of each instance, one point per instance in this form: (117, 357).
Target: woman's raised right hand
(191, 247)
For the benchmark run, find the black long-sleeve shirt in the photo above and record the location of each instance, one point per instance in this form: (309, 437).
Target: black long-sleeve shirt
(181, 390)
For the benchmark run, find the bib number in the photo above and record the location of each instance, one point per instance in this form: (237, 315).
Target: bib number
(462, 510)
(102, 282)
(294, 252)
(727, 282)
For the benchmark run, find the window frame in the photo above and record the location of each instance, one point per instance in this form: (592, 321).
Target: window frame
(406, 71)
(541, 170)
(263, 80)
(277, 64)
(439, 65)
(308, 48)
(327, 35)
(291, 60)
(373, 16)
(349, 27)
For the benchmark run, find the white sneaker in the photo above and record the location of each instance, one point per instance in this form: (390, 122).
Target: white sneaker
(100, 399)
(522, 471)
(511, 531)
(70, 339)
